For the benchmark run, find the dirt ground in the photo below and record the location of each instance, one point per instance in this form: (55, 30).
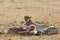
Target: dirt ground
(13, 11)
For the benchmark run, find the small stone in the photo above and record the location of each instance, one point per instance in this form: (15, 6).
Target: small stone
(42, 38)
(9, 39)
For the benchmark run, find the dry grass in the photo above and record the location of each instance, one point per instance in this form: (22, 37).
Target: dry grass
(47, 11)
(19, 37)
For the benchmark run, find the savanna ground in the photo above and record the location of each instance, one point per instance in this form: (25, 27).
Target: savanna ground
(13, 11)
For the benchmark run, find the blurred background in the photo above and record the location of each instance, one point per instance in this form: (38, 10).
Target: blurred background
(13, 11)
